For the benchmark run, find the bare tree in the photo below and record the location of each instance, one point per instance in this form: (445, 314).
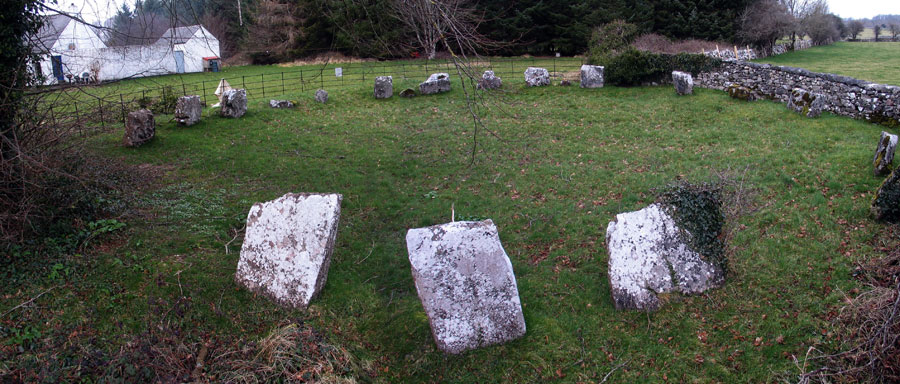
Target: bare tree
(819, 24)
(855, 28)
(275, 29)
(876, 29)
(797, 8)
(764, 22)
(436, 21)
(895, 30)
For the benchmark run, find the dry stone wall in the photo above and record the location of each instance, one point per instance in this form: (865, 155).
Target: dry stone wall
(844, 95)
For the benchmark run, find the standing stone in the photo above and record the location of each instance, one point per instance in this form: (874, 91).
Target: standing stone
(281, 104)
(886, 206)
(139, 128)
(466, 284)
(806, 103)
(188, 110)
(436, 83)
(322, 96)
(684, 83)
(536, 77)
(234, 103)
(884, 154)
(287, 247)
(645, 253)
(489, 81)
(384, 87)
(591, 76)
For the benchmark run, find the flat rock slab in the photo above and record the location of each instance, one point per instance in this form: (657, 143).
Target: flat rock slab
(466, 283)
(287, 247)
(537, 77)
(591, 76)
(408, 93)
(684, 83)
(436, 83)
(884, 153)
(140, 127)
(489, 81)
(384, 87)
(234, 103)
(322, 96)
(645, 253)
(188, 110)
(281, 104)
(740, 92)
(806, 103)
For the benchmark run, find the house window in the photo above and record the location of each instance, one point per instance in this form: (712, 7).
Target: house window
(71, 46)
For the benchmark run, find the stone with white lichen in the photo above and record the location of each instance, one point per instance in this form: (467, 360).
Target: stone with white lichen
(536, 77)
(591, 76)
(647, 256)
(287, 247)
(466, 284)
(684, 83)
(884, 153)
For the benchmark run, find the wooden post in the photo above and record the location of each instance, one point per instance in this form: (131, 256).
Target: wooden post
(262, 79)
(124, 118)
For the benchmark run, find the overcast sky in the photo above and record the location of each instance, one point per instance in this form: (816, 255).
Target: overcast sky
(97, 10)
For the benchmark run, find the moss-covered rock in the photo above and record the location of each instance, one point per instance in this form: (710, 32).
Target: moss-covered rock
(806, 103)
(886, 206)
(741, 93)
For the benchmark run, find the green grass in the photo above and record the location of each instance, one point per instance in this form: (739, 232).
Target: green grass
(866, 61)
(563, 163)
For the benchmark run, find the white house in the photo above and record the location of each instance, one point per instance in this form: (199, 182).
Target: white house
(73, 51)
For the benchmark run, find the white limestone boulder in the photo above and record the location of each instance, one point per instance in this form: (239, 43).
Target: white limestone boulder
(884, 153)
(140, 128)
(384, 87)
(646, 253)
(188, 110)
(537, 77)
(489, 81)
(234, 103)
(436, 83)
(684, 83)
(466, 284)
(321, 96)
(287, 247)
(591, 76)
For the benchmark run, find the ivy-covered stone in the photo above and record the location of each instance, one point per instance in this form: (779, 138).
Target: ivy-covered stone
(884, 153)
(886, 206)
(741, 93)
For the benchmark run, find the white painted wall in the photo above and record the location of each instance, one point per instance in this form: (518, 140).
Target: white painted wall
(83, 58)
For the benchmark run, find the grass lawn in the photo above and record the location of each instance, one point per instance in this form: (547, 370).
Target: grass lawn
(866, 61)
(560, 164)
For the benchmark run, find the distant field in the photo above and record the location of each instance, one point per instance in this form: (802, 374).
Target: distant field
(869, 33)
(867, 61)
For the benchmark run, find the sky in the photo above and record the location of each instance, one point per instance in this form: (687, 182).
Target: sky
(98, 10)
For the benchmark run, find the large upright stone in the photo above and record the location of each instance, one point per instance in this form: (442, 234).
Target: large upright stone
(436, 83)
(384, 87)
(884, 154)
(489, 81)
(466, 284)
(684, 83)
(645, 253)
(287, 247)
(234, 103)
(322, 96)
(139, 128)
(188, 110)
(591, 76)
(806, 103)
(536, 77)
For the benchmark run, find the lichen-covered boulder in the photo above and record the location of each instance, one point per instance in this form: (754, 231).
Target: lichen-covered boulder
(489, 81)
(281, 104)
(322, 96)
(884, 153)
(536, 77)
(436, 83)
(287, 247)
(647, 256)
(408, 93)
(140, 127)
(234, 103)
(886, 206)
(384, 87)
(188, 110)
(806, 103)
(591, 76)
(741, 92)
(466, 284)
(684, 83)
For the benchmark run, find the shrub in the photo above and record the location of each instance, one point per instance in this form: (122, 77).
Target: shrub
(613, 37)
(634, 67)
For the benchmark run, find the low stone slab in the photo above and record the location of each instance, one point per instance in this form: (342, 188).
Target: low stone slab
(384, 87)
(591, 76)
(234, 103)
(322, 96)
(140, 127)
(884, 153)
(684, 83)
(287, 247)
(188, 110)
(741, 92)
(281, 104)
(408, 93)
(466, 284)
(489, 81)
(436, 83)
(537, 77)
(645, 253)
(806, 103)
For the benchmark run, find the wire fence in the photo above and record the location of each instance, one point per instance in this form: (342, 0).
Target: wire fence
(91, 112)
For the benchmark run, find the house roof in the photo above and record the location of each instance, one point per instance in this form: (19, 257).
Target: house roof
(179, 35)
(53, 26)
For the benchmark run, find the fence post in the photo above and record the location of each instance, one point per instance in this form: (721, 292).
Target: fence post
(301, 80)
(244, 82)
(282, 82)
(262, 79)
(203, 87)
(100, 105)
(122, 101)
(77, 117)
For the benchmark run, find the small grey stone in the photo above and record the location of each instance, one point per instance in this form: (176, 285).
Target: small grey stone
(466, 284)
(408, 93)
(322, 96)
(384, 87)
(140, 127)
(436, 83)
(234, 103)
(684, 83)
(287, 247)
(188, 110)
(884, 153)
(591, 76)
(537, 77)
(489, 81)
(281, 104)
